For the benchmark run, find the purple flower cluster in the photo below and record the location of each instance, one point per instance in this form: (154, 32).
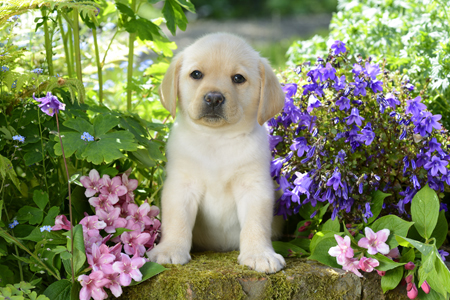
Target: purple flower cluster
(349, 129)
(113, 200)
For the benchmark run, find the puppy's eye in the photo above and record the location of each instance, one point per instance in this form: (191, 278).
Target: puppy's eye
(196, 74)
(238, 78)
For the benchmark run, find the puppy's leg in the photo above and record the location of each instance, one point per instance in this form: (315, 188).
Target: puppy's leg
(255, 211)
(179, 206)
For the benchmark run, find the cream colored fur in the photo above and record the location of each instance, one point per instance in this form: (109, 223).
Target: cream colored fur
(218, 194)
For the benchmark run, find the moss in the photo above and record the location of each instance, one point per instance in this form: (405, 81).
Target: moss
(219, 276)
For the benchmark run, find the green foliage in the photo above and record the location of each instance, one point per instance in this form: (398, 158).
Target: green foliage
(411, 35)
(20, 291)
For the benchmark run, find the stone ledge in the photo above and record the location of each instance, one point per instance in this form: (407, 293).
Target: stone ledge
(218, 276)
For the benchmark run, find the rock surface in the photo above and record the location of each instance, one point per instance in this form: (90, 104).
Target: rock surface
(218, 276)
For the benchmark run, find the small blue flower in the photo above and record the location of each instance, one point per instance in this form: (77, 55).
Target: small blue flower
(37, 71)
(443, 254)
(13, 224)
(14, 84)
(46, 228)
(18, 138)
(87, 137)
(354, 117)
(5, 69)
(338, 47)
(343, 103)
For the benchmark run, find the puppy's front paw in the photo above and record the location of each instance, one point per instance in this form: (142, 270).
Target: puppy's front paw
(265, 262)
(168, 254)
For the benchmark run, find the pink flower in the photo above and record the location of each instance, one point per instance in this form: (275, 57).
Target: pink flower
(343, 250)
(352, 265)
(111, 219)
(409, 278)
(101, 202)
(92, 286)
(139, 214)
(112, 188)
(89, 241)
(413, 292)
(134, 241)
(91, 183)
(131, 185)
(91, 225)
(114, 284)
(116, 250)
(61, 222)
(375, 242)
(367, 264)
(101, 259)
(426, 287)
(128, 269)
(394, 253)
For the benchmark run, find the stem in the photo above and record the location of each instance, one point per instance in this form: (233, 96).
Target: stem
(109, 46)
(71, 48)
(76, 38)
(66, 48)
(99, 67)
(42, 147)
(131, 40)
(70, 198)
(48, 45)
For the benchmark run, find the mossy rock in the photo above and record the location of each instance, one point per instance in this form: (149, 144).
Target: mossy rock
(218, 276)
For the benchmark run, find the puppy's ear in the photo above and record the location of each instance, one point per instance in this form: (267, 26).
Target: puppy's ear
(271, 99)
(168, 90)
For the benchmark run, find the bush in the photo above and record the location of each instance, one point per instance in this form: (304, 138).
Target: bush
(413, 36)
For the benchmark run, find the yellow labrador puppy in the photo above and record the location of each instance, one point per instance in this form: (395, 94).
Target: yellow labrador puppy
(218, 194)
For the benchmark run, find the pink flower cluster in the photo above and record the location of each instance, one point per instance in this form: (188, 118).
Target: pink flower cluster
(374, 242)
(113, 201)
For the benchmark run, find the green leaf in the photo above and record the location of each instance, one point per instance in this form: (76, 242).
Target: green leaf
(332, 225)
(427, 266)
(72, 143)
(286, 249)
(104, 123)
(59, 290)
(174, 16)
(51, 215)
(320, 252)
(79, 124)
(142, 157)
(148, 270)
(52, 237)
(377, 204)
(425, 249)
(119, 231)
(6, 169)
(391, 280)
(31, 214)
(40, 198)
(6, 276)
(301, 242)
(395, 225)
(408, 255)
(319, 236)
(441, 230)
(125, 9)
(385, 263)
(155, 152)
(79, 256)
(425, 211)
(75, 292)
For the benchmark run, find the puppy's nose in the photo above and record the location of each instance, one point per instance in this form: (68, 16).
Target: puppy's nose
(214, 99)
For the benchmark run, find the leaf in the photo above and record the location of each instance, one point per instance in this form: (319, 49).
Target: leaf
(377, 204)
(75, 292)
(186, 4)
(332, 225)
(148, 270)
(6, 169)
(396, 226)
(425, 211)
(40, 198)
(79, 255)
(119, 231)
(104, 123)
(426, 267)
(425, 249)
(51, 216)
(79, 124)
(392, 278)
(174, 16)
(72, 143)
(408, 256)
(301, 242)
(441, 229)
(125, 9)
(59, 290)
(286, 249)
(385, 262)
(6, 276)
(31, 214)
(52, 237)
(155, 153)
(320, 252)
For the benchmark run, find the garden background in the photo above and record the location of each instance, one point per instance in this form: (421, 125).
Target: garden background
(104, 60)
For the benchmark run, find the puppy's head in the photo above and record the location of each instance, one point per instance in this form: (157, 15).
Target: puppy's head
(220, 80)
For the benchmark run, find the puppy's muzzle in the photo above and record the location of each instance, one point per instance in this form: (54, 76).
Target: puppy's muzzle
(214, 99)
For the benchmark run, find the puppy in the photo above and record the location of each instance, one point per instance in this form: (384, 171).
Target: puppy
(218, 194)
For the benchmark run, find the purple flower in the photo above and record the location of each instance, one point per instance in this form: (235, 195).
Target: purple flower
(338, 47)
(275, 166)
(343, 103)
(328, 72)
(357, 69)
(368, 214)
(313, 102)
(300, 144)
(431, 122)
(335, 179)
(443, 254)
(392, 100)
(354, 117)
(434, 145)
(372, 70)
(414, 106)
(290, 90)
(274, 140)
(50, 104)
(436, 165)
(340, 156)
(367, 135)
(339, 83)
(303, 181)
(415, 182)
(376, 86)
(360, 87)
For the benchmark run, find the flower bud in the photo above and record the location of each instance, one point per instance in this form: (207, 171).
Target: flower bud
(381, 273)
(307, 223)
(425, 287)
(413, 292)
(409, 278)
(302, 228)
(410, 266)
